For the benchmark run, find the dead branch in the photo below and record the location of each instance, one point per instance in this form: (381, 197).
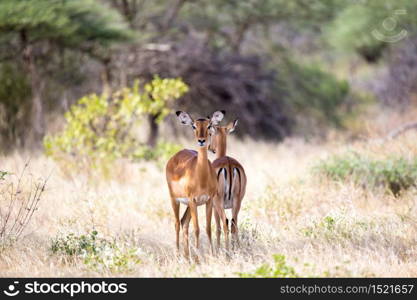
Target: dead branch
(22, 203)
(399, 131)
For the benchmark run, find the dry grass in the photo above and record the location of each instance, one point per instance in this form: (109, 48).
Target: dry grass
(323, 228)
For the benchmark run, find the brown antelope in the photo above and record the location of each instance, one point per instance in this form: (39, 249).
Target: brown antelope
(192, 180)
(231, 179)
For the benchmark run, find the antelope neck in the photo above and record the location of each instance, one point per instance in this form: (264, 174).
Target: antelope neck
(221, 148)
(202, 160)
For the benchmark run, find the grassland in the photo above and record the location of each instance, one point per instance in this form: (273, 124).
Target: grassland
(124, 226)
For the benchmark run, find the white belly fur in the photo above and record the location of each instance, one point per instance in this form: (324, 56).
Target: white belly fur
(199, 200)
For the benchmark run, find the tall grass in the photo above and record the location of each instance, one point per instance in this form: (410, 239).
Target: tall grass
(312, 227)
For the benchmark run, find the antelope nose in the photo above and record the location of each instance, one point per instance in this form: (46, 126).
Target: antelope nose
(201, 142)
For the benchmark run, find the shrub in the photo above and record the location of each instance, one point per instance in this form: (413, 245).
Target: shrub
(3, 174)
(162, 152)
(96, 252)
(313, 94)
(99, 129)
(395, 173)
(279, 270)
(19, 200)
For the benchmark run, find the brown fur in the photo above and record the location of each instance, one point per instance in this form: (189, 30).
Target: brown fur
(218, 145)
(190, 175)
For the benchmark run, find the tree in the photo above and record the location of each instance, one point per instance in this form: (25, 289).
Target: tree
(226, 23)
(37, 28)
(100, 128)
(206, 43)
(368, 27)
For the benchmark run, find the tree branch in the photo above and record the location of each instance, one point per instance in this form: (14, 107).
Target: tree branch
(171, 14)
(397, 132)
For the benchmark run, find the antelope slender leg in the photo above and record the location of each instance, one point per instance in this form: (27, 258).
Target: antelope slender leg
(194, 218)
(218, 228)
(209, 212)
(176, 208)
(185, 228)
(222, 216)
(234, 226)
(239, 184)
(235, 231)
(185, 223)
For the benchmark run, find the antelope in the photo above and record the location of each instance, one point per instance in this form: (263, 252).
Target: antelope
(192, 180)
(231, 179)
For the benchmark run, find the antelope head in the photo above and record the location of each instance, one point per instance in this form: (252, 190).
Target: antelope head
(219, 137)
(201, 127)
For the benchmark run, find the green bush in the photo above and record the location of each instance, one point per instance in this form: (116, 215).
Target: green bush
(97, 253)
(279, 270)
(3, 174)
(313, 94)
(99, 128)
(359, 27)
(160, 153)
(395, 174)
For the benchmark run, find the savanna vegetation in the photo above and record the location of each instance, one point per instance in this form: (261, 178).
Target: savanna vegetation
(325, 93)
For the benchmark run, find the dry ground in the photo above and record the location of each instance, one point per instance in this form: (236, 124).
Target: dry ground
(286, 211)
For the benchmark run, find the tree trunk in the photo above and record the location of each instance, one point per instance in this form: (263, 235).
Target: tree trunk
(106, 77)
(171, 14)
(239, 36)
(153, 131)
(37, 118)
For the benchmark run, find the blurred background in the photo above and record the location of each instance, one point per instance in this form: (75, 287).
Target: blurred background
(284, 68)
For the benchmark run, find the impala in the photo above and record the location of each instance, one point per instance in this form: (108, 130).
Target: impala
(192, 180)
(231, 179)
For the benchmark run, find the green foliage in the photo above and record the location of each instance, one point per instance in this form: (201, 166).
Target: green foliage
(76, 245)
(395, 173)
(353, 30)
(238, 17)
(348, 32)
(14, 87)
(70, 23)
(99, 128)
(279, 270)
(14, 95)
(97, 253)
(313, 93)
(161, 153)
(3, 174)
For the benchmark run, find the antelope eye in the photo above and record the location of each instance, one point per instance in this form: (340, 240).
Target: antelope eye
(193, 126)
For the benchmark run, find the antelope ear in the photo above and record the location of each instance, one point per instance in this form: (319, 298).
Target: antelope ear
(184, 118)
(217, 117)
(231, 126)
